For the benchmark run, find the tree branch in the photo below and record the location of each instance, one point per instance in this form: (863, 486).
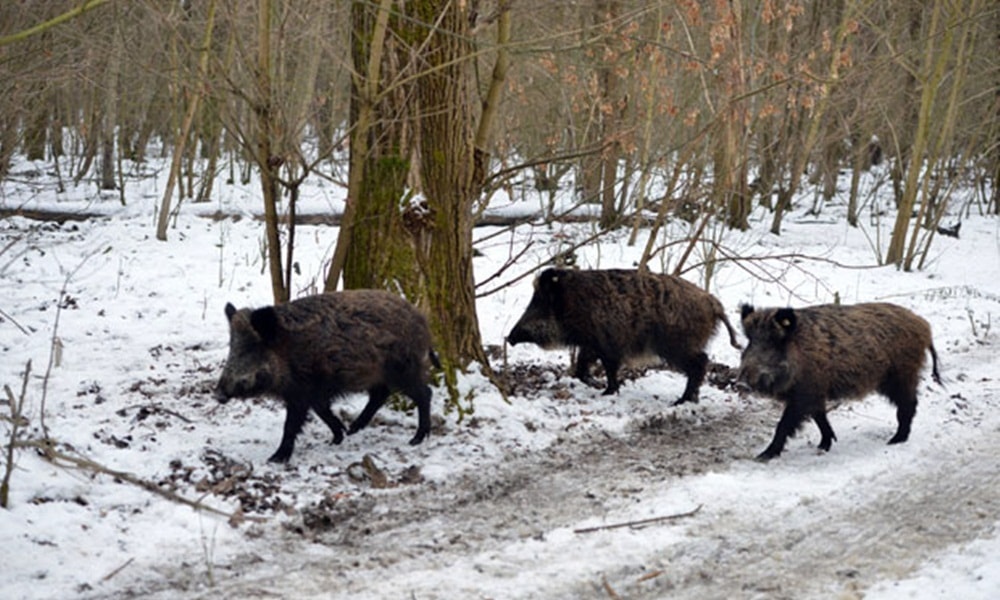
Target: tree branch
(20, 36)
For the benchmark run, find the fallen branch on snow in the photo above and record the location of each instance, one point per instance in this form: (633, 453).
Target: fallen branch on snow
(640, 523)
(61, 459)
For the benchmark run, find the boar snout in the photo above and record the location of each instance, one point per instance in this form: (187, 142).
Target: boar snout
(242, 387)
(220, 395)
(517, 336)
(765, 380)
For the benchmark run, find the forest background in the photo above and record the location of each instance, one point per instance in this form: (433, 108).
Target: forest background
(422, 109)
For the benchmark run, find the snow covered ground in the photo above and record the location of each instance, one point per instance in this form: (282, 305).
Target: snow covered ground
(498, 506)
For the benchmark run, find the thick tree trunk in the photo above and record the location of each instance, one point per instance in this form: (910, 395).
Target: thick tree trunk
(452, 171)
(380, 253)
(368, 45)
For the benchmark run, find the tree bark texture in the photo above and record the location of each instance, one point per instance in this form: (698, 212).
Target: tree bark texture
(451, 174)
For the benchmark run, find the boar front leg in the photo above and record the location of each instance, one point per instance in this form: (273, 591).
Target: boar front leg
(322, 410)
(295, 417)
(376, 398)
(585, 357)
(789, 423)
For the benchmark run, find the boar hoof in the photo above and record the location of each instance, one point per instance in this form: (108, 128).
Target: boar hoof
(280, 457)
(338, 437)
(418, 438)
(767, 455)
(898, 439)
(683, 400)
(611, 389)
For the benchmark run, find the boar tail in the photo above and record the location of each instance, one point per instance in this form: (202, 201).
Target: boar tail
(732, 332)
(436, 360)
(934, 366)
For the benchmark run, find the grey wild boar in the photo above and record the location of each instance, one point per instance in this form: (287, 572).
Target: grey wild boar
(808, 356)
(317, 348)
(619, 315)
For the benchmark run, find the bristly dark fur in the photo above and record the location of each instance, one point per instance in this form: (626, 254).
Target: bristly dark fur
(808, 356)
(317, 348)
(615, 315)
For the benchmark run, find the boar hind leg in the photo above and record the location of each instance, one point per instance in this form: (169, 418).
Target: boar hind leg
(294, 419)
(611, 371)
(905, 410)
(904, 396)
(322, 409)
(789, 423)
(421, 394)
(695, 368)
(825, 430)
(376, 398)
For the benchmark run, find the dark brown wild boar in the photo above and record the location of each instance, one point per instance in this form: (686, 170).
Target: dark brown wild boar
(615, 315)
(808, 356)
(317, 348)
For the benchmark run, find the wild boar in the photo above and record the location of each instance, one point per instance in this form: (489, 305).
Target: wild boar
(318, 348)
(808, 356)
(617, 315)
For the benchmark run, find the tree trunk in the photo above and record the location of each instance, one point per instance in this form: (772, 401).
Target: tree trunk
(936, 59)
(452, 171)
(265, 157)
(816, 119)
(36, 128)
(729, 187)
(184, 132)
(368, 42)
(109, 114)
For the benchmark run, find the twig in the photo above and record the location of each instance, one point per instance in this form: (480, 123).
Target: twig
(16, 412)
(510, 262)
(56, 343)
(158, 409)
(61, 459)
(118, 570)
(609, 590)
(14, 321)
(639, 524)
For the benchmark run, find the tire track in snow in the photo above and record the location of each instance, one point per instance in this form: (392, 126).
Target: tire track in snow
(896, 520)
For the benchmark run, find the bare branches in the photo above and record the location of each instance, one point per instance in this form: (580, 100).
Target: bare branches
(83, 7)
(16, 416)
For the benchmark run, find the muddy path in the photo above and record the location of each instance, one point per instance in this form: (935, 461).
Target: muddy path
(351, 546)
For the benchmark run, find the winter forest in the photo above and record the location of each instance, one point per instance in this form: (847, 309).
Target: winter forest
(159, 159)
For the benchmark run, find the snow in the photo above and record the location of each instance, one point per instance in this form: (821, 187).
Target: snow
(501, 495)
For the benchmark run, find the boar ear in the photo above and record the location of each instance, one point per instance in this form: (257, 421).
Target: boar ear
(230, 311)
(786, 320)
(265, 322)
(746, 310)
